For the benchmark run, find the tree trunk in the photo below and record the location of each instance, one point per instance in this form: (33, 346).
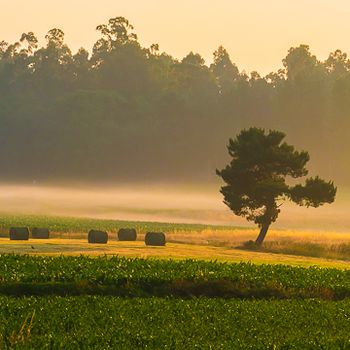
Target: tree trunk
(262, 234)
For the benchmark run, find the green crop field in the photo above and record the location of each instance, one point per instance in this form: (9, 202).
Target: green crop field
(146, 277)
(122, 303)
(161, 323)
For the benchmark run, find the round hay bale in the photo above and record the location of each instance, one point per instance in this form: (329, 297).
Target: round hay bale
(19, 234)
(155, 239)
(40, 233)
(127, 234)
(97, 237)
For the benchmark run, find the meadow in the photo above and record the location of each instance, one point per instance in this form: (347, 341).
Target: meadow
(68, 236)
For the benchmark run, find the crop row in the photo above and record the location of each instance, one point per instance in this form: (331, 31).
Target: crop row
(126, 276)
(161, 323)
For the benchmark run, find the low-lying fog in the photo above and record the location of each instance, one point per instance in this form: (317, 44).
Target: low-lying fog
(187, 204)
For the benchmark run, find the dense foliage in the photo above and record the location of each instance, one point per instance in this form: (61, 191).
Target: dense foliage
(123, 111)
(156, 323)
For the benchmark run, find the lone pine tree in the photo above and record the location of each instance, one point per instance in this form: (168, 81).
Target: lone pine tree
(256, 178)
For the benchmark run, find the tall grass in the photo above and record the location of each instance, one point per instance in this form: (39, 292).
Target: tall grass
(329, 245)
(339, 251)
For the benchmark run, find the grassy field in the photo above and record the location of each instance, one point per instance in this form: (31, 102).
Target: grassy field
(76, 247)
(223, 243)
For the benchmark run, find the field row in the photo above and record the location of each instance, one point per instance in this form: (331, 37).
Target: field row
(138, 277)
(156, 323)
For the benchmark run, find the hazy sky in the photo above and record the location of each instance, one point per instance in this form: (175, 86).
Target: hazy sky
(257, 33)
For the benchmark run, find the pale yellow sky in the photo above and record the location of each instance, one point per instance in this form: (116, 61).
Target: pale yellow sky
(257, 33)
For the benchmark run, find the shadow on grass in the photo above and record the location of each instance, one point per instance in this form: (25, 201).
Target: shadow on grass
(177, 288)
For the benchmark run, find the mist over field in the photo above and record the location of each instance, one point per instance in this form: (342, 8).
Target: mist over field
(161, 202)
(120, 111)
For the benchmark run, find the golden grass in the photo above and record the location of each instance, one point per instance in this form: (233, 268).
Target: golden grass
(59, 246)
(330, 245)
(236, 237)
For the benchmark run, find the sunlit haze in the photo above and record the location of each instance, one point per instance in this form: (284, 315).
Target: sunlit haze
(256, 33)
(187, 204)
(123, 121)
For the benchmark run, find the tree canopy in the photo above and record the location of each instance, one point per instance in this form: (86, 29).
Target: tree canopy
(256, 178)
(121, 111)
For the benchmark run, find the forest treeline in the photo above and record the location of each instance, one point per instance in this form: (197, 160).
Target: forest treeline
(126, 112)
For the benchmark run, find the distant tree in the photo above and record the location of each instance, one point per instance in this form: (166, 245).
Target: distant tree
(30, 42)
(81, 66)
(194, 81)
(53, 65)
(116, 33)
(3, 47)
(300, 64)
(337, 63)
(193, 58)
(224, 70)
(153, 50)
(55, 37)
(256, 178)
